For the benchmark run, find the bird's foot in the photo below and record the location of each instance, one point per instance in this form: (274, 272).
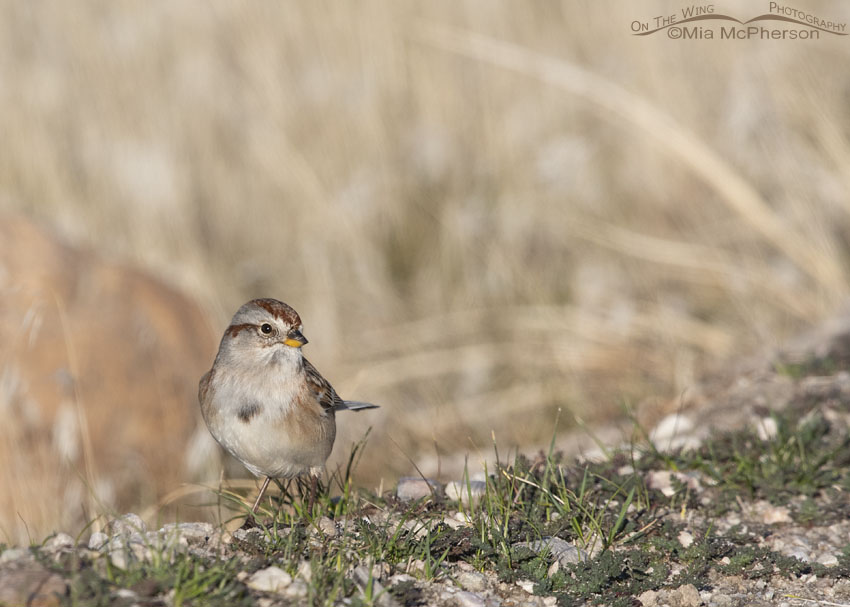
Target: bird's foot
(251, 522)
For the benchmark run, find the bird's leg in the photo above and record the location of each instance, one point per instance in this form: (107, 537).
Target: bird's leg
(260, 496)
(313, 484)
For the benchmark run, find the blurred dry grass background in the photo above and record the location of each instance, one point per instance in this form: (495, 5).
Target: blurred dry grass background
(484, 212)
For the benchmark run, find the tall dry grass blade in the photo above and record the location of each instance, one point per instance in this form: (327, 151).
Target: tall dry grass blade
(738, 194)
(698, 258)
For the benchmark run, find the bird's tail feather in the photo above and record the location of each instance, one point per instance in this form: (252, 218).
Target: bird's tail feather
(356, 405)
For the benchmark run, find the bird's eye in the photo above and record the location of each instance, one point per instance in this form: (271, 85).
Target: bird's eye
(266, 328)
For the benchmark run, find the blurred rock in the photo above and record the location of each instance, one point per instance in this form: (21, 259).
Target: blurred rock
(270, 579)
(685, 596)
(662, 480)
(14, 554)
(828, 559)
(126, 525)
(460, 490)
(472, 581)
(369, 585)
(27, 582)
(558, 549)
(98, 540)
(98, 382)
(59, 542)
(413, 488)
(468, 599)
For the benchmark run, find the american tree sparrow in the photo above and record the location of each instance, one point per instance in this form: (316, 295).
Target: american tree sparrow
(264, 402)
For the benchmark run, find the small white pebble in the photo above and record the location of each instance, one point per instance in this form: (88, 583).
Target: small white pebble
(828, 560)
(413, 488)
(13, 554)
(416, 566)
(296, 590)
(271, 579)
(648, 598)
(472, 581)
(305, 571)
(58, 542)
(97, 540)
(459, 490)
(462, 517)
(688, 596)
(526, 585)
(118, 558)
(767, 428)
(776, 514)
(800, 554)
(399, 578)
(128, 524)
(327, 526)
(468, 599)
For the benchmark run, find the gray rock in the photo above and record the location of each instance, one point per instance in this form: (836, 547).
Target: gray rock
(271, 579)
(60, 541)
(251, 536)
(365, 577)
(721, 600)
(673, 432)
(413, 488)
(460, 490)
(468, 599)
(98, 540)
(827, 559)
(563, 551)
(180, 538)
(194, 533)
(326, 526)
(685, 596)
(122, 551)
(663, 481)
(799, 553)
(398, 578)
(305, 571)
(127, 525)
(14, 554)
(30, 583)
(472, 581)
(297, 590)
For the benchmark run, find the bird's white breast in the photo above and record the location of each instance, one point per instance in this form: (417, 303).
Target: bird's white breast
(274, 439)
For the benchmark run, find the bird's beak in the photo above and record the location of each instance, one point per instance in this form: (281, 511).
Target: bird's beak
(295, 339)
